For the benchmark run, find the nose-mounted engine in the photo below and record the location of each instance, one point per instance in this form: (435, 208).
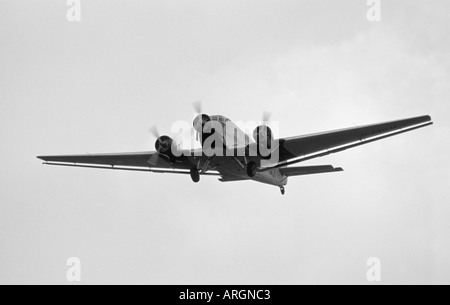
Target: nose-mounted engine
(199, 125)
(200, 121)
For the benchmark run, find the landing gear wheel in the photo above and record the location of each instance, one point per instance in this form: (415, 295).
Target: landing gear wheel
(251, 169)
(195, 175)
(282, 190)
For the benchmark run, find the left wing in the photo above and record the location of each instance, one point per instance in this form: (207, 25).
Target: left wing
(122, 159)
(143, 161)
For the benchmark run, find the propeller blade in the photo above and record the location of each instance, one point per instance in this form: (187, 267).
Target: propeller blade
(197, 106)
(179, 139)
(154, 131)
(266, 116)
(154, 159)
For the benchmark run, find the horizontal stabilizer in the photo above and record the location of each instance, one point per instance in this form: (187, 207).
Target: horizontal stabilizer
(309, 170)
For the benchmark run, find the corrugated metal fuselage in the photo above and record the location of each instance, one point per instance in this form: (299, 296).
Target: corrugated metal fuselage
(239, 138)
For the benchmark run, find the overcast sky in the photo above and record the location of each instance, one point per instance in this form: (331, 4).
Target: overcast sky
(98, 85)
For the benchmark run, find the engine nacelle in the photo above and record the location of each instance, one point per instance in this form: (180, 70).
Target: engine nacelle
(164, 145)
(263, 136)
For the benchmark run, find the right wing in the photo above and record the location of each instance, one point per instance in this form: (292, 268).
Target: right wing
(302, 148)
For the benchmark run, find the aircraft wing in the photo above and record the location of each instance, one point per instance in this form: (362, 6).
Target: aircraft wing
(297, 149)
(144, 161)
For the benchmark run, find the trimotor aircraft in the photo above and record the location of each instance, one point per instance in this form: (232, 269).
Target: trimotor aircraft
(232, 155)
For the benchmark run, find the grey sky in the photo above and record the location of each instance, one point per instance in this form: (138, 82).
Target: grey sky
(98, 85)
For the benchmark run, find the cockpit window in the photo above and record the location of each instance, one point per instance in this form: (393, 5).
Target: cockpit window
(219, 118)
(234, 139)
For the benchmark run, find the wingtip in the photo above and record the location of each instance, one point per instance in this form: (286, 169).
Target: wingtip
(42, 158)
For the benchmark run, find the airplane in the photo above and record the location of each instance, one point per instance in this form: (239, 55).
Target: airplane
(235, 156)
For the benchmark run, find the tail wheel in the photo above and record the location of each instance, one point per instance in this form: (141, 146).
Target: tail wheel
(251, 169)
(195, 175)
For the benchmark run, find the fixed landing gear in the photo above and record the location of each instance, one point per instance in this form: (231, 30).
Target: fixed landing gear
(251, 169)
(195, 175)
(282, 190)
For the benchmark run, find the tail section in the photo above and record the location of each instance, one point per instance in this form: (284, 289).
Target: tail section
(309, 170)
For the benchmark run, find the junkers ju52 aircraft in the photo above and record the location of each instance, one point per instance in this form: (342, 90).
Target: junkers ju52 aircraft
(231, 154)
